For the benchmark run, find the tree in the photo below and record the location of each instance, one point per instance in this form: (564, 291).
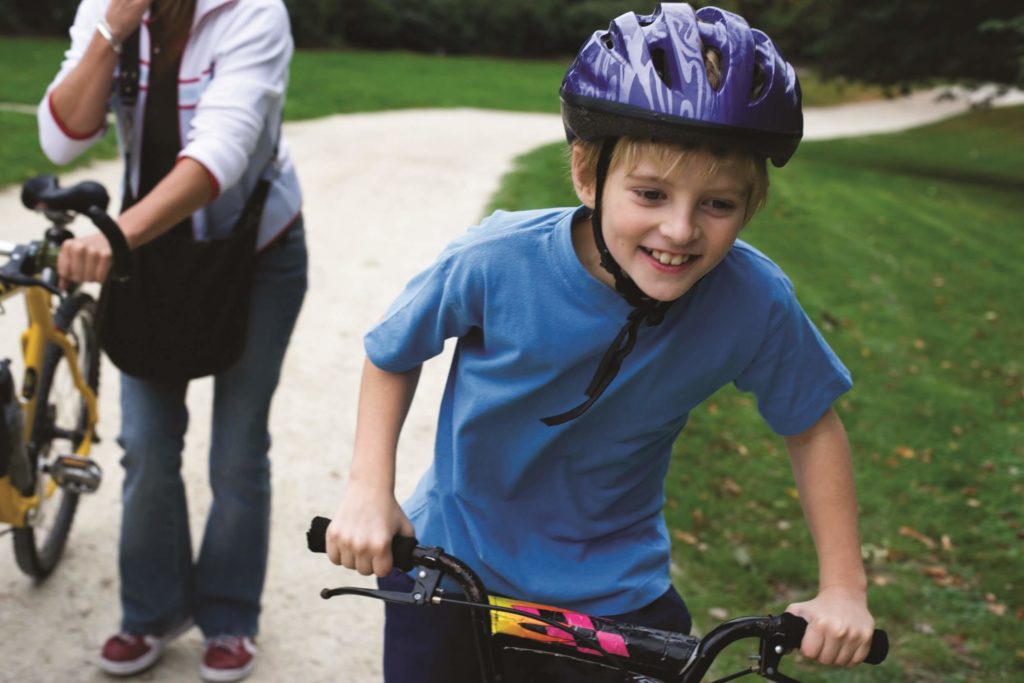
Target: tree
(897, 43)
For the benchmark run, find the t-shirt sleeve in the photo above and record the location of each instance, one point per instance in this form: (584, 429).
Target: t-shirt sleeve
(795, 375)
(433, 307)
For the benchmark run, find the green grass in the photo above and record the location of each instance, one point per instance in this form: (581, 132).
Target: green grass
(342, 81)
(905, 250)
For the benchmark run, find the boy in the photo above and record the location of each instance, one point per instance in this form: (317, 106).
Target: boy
(552, 445)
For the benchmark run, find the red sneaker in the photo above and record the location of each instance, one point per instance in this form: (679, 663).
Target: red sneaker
(228, 658)
(125, 654)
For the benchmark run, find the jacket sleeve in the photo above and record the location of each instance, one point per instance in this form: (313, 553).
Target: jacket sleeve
(58, 143)
(250, 77)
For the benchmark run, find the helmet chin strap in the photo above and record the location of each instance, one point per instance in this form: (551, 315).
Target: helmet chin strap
(645, 309)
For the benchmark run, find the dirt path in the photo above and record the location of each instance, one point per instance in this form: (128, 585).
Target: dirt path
(383, 194)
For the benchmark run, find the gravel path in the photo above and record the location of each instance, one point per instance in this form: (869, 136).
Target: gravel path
(383, 194)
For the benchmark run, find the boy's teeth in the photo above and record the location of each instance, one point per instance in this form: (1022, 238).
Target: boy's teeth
(667, 259)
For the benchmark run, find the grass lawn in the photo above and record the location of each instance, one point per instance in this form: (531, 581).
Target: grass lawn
(905, 250)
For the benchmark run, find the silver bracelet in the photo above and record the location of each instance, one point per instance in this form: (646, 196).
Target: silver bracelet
(104, 30)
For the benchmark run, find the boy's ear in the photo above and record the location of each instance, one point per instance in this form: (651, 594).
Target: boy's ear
(585, 189)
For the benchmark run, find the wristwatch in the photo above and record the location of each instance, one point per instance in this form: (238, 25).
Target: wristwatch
(104, 30)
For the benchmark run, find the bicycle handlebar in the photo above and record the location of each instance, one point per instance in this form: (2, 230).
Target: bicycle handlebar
(781, 633)
(43, 193)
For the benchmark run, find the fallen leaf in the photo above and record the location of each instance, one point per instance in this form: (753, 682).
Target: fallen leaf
(686, 537)
(996, 608)
(719, 613)
(947, 543)
(917, 536)
(731, 487)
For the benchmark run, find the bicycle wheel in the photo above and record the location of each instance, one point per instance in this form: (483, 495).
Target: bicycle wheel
(60, 421)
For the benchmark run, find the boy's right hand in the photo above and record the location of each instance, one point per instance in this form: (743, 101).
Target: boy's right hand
(360, 533)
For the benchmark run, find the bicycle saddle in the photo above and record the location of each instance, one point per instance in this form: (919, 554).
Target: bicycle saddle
(44, 193)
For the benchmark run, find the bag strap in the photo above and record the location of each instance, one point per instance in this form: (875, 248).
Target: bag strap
(128, 96)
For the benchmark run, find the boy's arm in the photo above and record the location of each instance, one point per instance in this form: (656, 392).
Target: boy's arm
(839, 623)
(359, 536)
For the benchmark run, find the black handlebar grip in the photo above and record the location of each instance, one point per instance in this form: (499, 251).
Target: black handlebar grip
(316, 537)
(796, 626)
(402, 547)
(121, 267)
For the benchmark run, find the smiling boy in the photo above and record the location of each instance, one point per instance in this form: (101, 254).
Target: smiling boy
(587, 335)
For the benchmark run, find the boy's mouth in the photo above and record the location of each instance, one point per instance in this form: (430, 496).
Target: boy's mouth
(667, 259)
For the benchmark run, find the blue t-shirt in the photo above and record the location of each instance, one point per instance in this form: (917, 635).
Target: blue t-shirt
(572, 515)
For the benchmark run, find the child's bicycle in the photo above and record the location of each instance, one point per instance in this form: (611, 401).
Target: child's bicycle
(509, 632)
(47, 430)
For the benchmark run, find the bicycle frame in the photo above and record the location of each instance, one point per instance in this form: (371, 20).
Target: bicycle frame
(41, 331)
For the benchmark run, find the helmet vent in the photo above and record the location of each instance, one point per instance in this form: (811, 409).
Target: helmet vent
(757, 88)
(659, 64)
(607, 41)
(713, 66)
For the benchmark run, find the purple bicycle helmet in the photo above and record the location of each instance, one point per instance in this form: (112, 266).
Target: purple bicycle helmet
(645, 78)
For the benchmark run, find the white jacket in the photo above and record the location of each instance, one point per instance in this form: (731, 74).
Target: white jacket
(231, 90)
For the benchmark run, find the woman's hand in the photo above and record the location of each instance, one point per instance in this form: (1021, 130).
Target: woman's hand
(124, 16)
(361, 530)
(839, 626)
(84, 259)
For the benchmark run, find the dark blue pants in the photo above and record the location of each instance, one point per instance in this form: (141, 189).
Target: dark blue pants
(435, 644)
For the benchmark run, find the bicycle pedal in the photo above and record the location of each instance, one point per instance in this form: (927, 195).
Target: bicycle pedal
(76, 474)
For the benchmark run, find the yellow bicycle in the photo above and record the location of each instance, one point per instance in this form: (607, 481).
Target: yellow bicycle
(49, 426)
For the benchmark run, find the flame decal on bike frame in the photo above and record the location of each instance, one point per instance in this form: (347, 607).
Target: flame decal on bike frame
(505, 623)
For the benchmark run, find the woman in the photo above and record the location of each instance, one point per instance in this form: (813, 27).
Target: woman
(199, 127)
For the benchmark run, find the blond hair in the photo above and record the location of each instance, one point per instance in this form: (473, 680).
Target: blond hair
(671, 156)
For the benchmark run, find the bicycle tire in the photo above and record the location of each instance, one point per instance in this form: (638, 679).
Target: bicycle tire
(39, 545)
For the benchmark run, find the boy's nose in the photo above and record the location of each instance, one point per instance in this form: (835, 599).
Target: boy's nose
(681, 227)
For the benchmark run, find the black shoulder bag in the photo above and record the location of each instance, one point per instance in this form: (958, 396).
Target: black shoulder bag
(183, 313)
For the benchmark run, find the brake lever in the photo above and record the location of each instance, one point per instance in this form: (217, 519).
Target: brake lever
(426, 585)
(773, 647)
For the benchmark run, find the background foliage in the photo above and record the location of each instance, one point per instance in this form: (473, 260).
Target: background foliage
(889, 43)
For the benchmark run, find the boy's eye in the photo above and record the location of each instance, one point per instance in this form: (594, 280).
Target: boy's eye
(720, 205)
(650, 195)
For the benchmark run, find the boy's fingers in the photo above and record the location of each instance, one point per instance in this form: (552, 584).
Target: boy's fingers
(383, 564)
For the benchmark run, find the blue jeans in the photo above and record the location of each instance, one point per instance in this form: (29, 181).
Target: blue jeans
(161, 585)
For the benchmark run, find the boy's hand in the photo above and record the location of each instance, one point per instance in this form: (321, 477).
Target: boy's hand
(361, 530)
(839, 627)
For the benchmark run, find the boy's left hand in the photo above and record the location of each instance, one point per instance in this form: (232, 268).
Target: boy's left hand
(839, 626)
